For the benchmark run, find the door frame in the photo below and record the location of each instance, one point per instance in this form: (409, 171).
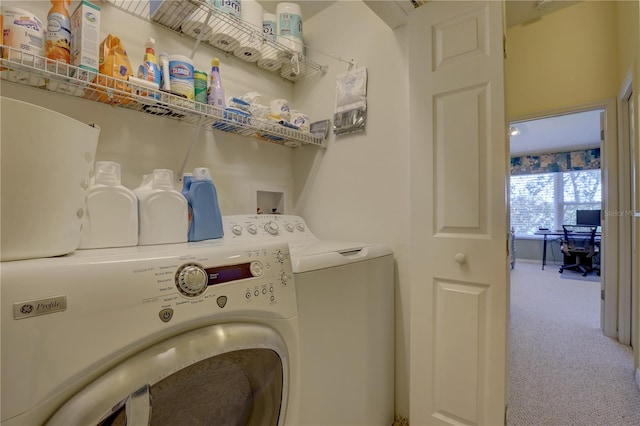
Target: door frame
(625, 147)
(610, 201)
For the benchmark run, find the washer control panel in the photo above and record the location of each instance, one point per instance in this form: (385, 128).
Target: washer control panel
(266, 226)
(248, 277)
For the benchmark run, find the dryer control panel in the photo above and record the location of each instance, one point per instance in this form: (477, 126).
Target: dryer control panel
(271, 227)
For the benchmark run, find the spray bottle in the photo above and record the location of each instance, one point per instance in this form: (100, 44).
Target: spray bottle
(58, 36)
(149, 70)
(216, 92)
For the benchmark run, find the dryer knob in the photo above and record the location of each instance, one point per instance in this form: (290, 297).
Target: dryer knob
(272, 228)
(191, 280)
(236, 229)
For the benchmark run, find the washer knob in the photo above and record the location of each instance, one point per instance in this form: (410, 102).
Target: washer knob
(252, 229)
(236, 229)
(289, 227)
(191, 280)
(300, 227)
(272, 228)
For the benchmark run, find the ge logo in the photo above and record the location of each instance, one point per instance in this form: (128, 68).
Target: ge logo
(26, 309)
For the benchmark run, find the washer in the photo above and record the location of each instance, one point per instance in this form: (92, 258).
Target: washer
(345, 297)
(196, 333)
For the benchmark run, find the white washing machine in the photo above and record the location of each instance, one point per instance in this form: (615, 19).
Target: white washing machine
(180, 334)
(345, 297)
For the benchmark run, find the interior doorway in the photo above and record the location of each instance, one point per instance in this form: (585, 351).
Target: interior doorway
(576, 133)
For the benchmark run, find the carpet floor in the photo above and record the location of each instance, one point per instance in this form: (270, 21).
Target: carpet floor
(562, 369)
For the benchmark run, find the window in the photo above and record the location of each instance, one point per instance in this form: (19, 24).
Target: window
(549, 200)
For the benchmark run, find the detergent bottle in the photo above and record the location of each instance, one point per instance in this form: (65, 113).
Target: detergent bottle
(187, 178)
(206, 222)
(112, 211)
(58, 34)
(162, 210)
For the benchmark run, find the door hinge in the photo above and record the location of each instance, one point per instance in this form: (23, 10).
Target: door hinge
(602, 294)
(504, 46)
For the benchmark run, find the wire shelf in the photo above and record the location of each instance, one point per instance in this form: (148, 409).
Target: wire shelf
(222, 31)
(33, 70)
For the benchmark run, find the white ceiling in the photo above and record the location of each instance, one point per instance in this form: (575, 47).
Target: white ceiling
(557, 133)
(517, 11)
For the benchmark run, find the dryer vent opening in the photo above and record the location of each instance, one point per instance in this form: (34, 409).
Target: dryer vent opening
(236, 388)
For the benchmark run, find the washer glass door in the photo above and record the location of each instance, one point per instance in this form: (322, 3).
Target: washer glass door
(230, 374)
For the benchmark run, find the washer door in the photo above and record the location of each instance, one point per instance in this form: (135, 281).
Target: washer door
(227, 374)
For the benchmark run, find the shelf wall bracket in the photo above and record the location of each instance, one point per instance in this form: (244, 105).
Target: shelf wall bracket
(196, 134)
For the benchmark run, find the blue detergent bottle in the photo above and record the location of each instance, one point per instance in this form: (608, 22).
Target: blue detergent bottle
(206, 220)
(186, 184)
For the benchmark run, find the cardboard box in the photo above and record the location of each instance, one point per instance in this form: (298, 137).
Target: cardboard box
(85, 40)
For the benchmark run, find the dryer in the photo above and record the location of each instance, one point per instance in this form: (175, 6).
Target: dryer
(345, 295)
(196, 333)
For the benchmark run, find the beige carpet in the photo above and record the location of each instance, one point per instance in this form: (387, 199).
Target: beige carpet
(562, 369)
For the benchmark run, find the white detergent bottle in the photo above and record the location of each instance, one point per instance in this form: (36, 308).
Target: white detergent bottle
(162, 210)
(112, 211)
(206, 219)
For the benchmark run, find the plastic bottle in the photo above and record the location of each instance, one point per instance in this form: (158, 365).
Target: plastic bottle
(112, 211)
(187, 178)
(149, 69)
(162, 210)
(206, 222)
(164, 66)
(216, 92)
(58, 35)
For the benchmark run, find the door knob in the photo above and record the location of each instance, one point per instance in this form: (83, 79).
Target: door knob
(460, 257)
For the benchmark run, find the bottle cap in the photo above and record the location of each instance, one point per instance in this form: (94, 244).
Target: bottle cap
(150, 43)
(107, 173)
(163, 179)
(201, 173)
(215, 62)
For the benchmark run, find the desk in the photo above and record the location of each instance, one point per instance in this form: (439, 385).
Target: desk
(556, 234)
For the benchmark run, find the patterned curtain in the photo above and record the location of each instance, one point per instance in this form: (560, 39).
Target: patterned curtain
(588, 159)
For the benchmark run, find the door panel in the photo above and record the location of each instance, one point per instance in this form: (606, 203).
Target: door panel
(459, 268)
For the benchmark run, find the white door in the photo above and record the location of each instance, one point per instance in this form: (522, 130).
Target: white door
(459, 216)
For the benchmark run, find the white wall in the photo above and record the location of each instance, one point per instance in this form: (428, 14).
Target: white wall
(358, 189)
(355, 190)
(141, 142)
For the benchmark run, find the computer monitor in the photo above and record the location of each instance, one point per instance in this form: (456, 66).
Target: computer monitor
(588, 217)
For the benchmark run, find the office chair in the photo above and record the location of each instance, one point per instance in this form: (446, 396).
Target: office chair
(579, 248)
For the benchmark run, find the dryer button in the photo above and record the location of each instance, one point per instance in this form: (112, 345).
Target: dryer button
(166, 314)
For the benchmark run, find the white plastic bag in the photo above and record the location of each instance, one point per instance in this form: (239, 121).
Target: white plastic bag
(351, 102)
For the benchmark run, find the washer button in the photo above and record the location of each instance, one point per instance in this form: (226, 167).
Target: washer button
(222, 301)
(166, 314)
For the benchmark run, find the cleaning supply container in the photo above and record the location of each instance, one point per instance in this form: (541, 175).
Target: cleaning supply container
(162, 211)
(112, 211)
(46, 163)
(206, 220)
